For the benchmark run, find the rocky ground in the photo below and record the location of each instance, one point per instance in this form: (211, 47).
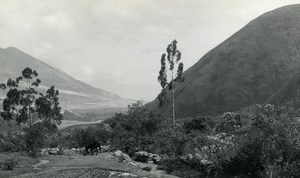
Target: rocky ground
(102, 165)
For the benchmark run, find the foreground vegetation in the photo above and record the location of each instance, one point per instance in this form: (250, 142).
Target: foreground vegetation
(35, 114)
(258, 141)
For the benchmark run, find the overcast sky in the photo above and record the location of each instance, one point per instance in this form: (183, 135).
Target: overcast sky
(117, 44)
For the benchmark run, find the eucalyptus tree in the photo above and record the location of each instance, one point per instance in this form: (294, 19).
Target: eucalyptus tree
(170, 74)
(23, 102)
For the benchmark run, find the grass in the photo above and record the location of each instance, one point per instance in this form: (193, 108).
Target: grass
(24, 166)
(102, 165)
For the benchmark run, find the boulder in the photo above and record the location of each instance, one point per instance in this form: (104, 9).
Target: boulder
(156, 158)
(143, 156)
(147, 168)
(105, 148)
(150, 162)
(117, 153)
(125, 158)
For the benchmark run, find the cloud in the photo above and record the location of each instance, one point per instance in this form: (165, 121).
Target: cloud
(122, 40)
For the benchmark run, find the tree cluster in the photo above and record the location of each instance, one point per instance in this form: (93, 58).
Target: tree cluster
(25, 105)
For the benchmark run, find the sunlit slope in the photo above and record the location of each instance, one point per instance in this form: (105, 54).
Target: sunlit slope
(74, 94)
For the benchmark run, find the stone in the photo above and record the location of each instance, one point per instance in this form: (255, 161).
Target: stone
(156, 158)
(125, 158)
(141, 156)
(147, 168)
(206, 162)
(150, 162)
(189, 157)
(117, 153)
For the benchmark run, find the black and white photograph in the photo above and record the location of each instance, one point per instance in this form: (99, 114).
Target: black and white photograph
(149, 88)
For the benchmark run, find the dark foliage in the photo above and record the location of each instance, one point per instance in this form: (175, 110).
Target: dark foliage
(9, 163)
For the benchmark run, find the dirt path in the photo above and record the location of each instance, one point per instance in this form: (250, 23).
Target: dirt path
(102, 165)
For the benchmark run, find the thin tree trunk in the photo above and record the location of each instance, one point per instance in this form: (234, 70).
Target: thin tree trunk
(29, 116)
(28, 110)
(173, 99)
(19, 125)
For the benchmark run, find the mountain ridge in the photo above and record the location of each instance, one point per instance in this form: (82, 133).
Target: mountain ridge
(247, 68)
(74, 94)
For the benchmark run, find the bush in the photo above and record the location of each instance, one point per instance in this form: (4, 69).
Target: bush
(198, 124)
(134, 130)
(230, 122)
(270, 142)
(193, 169)
(170, 140)
(36, 135)
(10, 163)
(12, 144)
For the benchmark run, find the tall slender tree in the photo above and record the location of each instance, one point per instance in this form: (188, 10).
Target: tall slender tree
(22, 100)
(168, 76)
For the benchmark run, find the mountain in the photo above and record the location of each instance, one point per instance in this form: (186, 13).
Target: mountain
(258, 64)
(74, 94)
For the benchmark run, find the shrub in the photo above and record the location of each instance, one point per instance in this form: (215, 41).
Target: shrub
(12, 144)
(198, 124)
(10, 163)
(230, 122)
(188, 169)
(170, 139)
(270, 142)
(35, 136)
(134, 130)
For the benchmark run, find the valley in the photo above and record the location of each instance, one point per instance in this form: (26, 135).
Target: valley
(233, 113)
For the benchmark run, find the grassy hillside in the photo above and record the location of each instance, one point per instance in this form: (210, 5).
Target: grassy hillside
(248, 68)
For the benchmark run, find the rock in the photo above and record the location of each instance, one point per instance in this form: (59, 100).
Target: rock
(206, 162)
(117, 153)
(147, 168)
(141, 156)
(125, 158)
(189, 157)
(156, 158)
(105, 148)
(198, 156)
(134, 164)
(127, 175)
(150, 162)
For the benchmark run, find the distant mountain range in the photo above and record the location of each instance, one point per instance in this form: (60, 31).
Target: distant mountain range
(258, 64)
(74, 94)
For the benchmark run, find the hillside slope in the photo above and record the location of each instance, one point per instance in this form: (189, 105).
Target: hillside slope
(74, 94)
(250, 67)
